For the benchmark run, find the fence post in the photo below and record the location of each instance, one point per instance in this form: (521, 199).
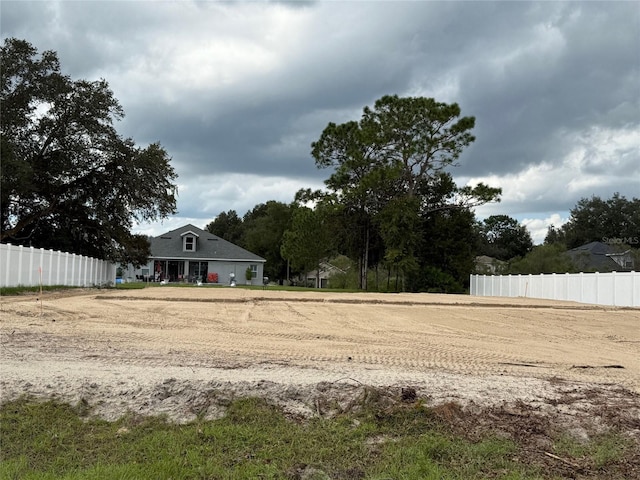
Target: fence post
(7, 264)
(66, 277)
(581, 285)
(49, 280)
(613, 286)
(41, 266)
(30, 267)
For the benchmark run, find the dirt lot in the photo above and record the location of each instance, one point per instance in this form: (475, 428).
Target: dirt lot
(186, 352)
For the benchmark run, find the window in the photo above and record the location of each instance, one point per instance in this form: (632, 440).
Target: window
(254, 271)
(198, 271)
(189, 244)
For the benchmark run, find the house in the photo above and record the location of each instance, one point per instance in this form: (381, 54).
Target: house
(189, 254)
(601, 257)
(321, 274)
(486, 265)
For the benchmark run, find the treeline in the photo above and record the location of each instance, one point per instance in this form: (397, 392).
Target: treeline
(295, 239)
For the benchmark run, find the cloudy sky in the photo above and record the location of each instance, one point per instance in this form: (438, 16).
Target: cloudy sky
(237, 91)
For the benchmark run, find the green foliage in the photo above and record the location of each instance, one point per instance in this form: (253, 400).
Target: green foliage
(229, 226)
(596, 220)
(502, 237)
(550, 258)
(69, 181)
(260, 231)
(264, 229)
(448, 251)
(309, 241)
(398, 223)
(389, 176)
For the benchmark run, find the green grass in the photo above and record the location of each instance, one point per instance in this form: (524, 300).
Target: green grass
(601, 450)
(254, 440)
(20, 289)
(137, 285)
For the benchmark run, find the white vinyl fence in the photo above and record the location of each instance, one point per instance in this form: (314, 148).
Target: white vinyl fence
(614, 288)
(28, 266)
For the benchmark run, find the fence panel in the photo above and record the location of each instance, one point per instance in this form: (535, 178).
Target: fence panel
(28, 266)
(612, 288)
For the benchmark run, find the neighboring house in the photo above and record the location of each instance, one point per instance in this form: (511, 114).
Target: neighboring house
(322, 274)
(600, 257)
(486, 265)
(189, 254)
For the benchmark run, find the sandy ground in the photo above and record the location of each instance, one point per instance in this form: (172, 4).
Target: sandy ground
(186, 352)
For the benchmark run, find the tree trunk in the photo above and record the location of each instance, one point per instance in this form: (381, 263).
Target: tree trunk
(397, 275)
(388, 277)
(366, 260)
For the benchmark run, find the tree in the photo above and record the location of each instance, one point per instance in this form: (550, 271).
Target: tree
(554, 235)
(447, 251)
(502, 237)
(264, 228)
(597, 220)
(400, 232)
(359, 186)
(308, 241)
(68, 179)
(551, 258)
(229, 226)
(389, 171)
(417, 136)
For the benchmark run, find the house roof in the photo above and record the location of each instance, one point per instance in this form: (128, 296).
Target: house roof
(208, 246)
(596, 256)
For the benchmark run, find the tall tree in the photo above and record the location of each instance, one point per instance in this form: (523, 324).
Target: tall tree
(502, 237)
(68, 178)
(389, 170)
(416, 135)
(357, 186)
(229, 226)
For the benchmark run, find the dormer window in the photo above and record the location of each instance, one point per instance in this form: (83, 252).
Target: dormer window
(189, 240)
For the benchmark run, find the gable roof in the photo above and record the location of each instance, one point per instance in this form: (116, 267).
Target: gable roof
(208, 246)
(596, 256)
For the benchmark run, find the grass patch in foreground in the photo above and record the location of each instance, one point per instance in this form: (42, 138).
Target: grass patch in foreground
(256, 440)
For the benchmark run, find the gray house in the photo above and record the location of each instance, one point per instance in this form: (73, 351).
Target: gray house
(601, 257)
(189, 254)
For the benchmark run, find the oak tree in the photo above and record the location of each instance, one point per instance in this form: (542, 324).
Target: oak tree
(69, 180)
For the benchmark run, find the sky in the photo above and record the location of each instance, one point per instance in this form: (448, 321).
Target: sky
(237, 91)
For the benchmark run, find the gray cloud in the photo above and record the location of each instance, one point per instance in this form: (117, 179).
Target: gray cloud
(236, 92)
